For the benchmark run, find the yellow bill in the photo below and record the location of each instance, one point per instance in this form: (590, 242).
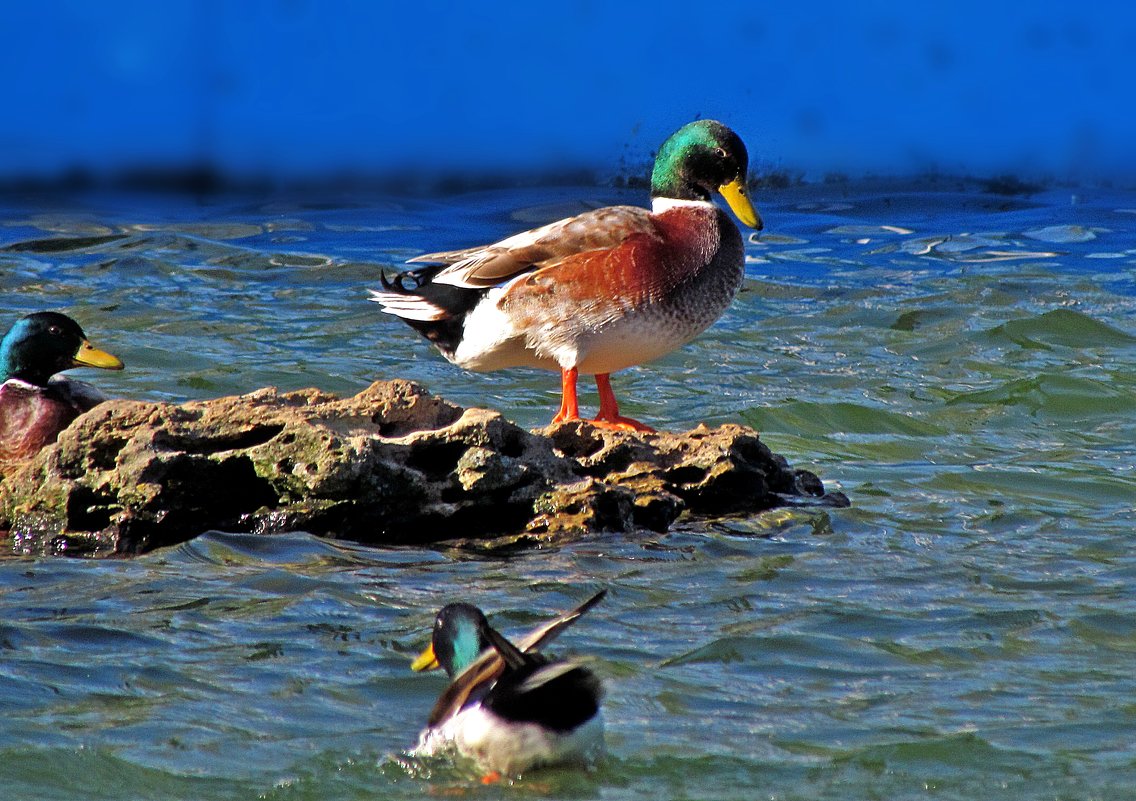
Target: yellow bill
(90, 356)
(426, 660)
(735, 194)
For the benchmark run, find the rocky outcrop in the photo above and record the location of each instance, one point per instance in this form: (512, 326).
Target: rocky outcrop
(393, 464)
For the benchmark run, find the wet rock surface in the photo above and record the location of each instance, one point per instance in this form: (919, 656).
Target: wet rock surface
(391, 465)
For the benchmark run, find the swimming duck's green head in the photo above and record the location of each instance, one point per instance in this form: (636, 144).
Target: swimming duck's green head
(42, 344)
(703, 157)
(457, 640)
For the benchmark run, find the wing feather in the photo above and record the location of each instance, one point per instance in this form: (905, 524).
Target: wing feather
(490, 265)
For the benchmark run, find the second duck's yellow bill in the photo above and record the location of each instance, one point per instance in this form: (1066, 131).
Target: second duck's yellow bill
(426, 660)
(90, 356)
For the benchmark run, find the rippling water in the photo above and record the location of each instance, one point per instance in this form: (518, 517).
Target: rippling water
(962, 365)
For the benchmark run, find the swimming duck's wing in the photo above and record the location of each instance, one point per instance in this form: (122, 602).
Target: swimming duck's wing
(488, 667)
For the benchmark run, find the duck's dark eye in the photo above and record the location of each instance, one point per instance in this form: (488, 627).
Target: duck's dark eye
(721, 152)
(54, 330)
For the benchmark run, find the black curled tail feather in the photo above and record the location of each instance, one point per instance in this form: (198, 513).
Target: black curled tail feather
(450, 304)
(418, 278)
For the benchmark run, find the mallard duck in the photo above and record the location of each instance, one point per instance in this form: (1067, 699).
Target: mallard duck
(595, 293)
(508, 707)
(35, 404)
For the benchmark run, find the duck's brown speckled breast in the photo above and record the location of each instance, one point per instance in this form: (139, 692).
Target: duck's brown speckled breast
(672, 290)
(715, 264)
(31, 418)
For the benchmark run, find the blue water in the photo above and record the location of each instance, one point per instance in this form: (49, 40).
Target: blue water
(960, 363)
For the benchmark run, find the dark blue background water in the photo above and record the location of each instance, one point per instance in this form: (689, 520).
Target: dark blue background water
(281, 87)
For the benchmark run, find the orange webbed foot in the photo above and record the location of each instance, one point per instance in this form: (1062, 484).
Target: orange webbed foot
(622, 424)
(609, 416)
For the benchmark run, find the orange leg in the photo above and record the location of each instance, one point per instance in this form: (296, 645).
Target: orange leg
(609, 416)
(569, 403)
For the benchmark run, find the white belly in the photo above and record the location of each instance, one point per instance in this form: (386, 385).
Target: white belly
(510, 747)
(490, 341)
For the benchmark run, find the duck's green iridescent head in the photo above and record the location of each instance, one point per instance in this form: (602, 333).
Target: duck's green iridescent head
(703, 157)
(42, 344)
(458, 638)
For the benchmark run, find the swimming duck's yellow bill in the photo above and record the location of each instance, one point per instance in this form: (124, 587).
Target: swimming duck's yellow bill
(89, 356)
(426, 660)
(735, 194)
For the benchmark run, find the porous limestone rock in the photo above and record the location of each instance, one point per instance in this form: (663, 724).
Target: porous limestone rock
(393, 464)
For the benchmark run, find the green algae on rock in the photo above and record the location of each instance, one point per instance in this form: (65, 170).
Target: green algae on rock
(391, 465)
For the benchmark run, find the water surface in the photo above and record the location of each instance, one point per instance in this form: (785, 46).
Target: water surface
(962, 365)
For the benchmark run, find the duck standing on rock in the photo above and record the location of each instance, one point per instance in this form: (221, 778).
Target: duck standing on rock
(35, 404)
(508, 707)
(598, 292)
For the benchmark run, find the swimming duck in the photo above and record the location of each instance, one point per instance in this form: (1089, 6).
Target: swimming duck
(509, 707)
(35, 404)
(595, 293)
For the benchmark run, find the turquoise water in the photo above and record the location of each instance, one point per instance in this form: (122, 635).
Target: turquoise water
(960, 364)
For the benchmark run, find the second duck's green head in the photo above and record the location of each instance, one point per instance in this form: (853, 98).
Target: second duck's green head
(457, 640)
(42, 344)
(703, 157)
